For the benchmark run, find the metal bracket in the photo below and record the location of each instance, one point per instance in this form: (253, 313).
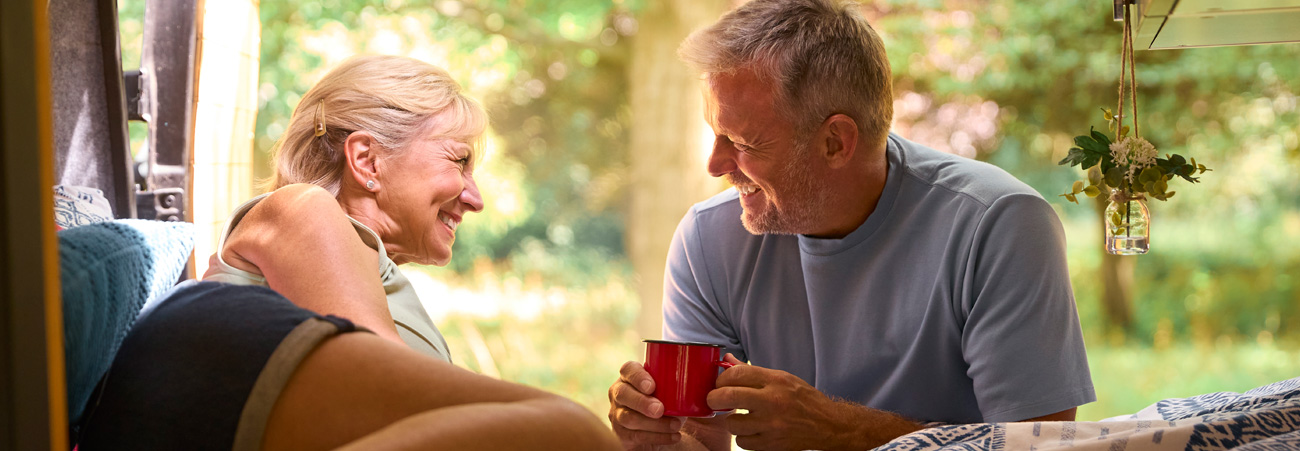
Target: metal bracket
(1119, 8)
(137, 95)
(163, 204)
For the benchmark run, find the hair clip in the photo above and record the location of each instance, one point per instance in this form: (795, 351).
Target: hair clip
(320, 118)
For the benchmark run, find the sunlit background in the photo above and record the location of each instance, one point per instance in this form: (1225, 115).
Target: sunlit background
(596, 151)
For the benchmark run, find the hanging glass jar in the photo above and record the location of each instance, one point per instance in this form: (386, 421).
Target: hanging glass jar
(1128, 224)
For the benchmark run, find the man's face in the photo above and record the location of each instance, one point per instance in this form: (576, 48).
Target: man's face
(757, 151)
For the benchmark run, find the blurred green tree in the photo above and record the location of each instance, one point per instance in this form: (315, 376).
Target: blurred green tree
(552, 75)
(597, 138)
(1047, 69)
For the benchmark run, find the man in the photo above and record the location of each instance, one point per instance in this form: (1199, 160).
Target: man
(873, 284)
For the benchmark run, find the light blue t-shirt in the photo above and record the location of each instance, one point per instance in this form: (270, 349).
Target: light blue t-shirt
(951, 303)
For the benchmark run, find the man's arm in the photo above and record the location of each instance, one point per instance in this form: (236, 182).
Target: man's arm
(785, 412)
(1064, 415)
(1021, 336)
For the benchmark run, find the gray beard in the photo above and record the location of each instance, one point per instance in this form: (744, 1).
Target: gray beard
(802, 200)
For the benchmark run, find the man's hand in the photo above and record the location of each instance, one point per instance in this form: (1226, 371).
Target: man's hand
(637, 417)
(784, 412)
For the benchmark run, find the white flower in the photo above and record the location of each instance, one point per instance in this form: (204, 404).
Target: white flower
(1134, 153)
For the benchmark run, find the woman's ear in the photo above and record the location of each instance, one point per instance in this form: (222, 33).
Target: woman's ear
(360, 152)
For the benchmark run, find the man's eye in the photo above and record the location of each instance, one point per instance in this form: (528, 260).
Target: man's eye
(463, 162)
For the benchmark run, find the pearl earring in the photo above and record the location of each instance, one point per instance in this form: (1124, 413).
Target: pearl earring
(370, 184)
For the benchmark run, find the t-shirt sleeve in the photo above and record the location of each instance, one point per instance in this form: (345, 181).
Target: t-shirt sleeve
(691, 306)
(1021, 337)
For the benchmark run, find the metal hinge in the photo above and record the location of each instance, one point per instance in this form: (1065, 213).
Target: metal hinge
(163, 204)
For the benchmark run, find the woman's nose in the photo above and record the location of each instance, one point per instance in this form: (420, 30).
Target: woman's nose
(470, 195)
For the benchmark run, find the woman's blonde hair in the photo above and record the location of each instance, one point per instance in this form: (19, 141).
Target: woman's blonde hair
(821, 55)
(393, 98)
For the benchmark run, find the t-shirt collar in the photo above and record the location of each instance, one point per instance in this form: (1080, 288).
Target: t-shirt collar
(830, 246)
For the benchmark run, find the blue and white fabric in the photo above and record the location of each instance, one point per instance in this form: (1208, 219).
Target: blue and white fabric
(1265, 418)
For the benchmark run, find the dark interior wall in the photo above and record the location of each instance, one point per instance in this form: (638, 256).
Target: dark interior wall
(76, 48)
(90, 132)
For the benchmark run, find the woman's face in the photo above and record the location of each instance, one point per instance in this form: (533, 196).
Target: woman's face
(426, 190)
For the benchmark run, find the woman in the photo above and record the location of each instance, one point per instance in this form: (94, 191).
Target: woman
(378, 160)
(375, 170)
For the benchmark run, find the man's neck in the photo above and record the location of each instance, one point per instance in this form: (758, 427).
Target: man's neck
(854, 196)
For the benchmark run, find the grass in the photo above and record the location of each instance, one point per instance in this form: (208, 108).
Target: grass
(1130, 378)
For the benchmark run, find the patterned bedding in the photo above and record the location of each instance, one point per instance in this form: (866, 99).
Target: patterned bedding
(1266, 418)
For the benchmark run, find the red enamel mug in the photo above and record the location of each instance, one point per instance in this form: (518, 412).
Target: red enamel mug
(684, 374)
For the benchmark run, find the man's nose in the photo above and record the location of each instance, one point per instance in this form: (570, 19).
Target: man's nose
(722, 159)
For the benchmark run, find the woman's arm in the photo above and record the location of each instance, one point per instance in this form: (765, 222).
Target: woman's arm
(361, 391)
(544, 423)
(302, 242)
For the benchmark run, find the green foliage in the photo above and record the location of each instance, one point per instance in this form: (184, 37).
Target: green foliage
(574, 348)
(553, 76)
(1089, 151)
(1093, 153)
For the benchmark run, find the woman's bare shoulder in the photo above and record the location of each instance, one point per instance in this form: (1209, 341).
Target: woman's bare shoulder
(290, 217)
(299, 202)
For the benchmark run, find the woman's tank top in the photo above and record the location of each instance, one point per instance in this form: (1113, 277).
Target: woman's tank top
(413, 322)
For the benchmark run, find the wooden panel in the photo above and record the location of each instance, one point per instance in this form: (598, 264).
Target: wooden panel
(1276, 26)
(33, 407)
(1170, 24)
(1150, 15)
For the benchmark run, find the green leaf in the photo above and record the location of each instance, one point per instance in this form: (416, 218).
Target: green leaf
(1085, 141)
(1150, 174)
(1102, 139)
(1115, 176)
(1080, 157)
(1078, 186)
(1090, 150)
(1092, 191)
(1094, 176)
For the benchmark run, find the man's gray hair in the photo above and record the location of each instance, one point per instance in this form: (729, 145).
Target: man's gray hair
(821, 55)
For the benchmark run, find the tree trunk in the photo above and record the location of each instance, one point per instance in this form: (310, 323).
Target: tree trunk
(668, 156)
(1117, 281)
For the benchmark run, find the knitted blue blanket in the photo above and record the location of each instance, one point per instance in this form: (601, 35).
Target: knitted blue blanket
(108, 271)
